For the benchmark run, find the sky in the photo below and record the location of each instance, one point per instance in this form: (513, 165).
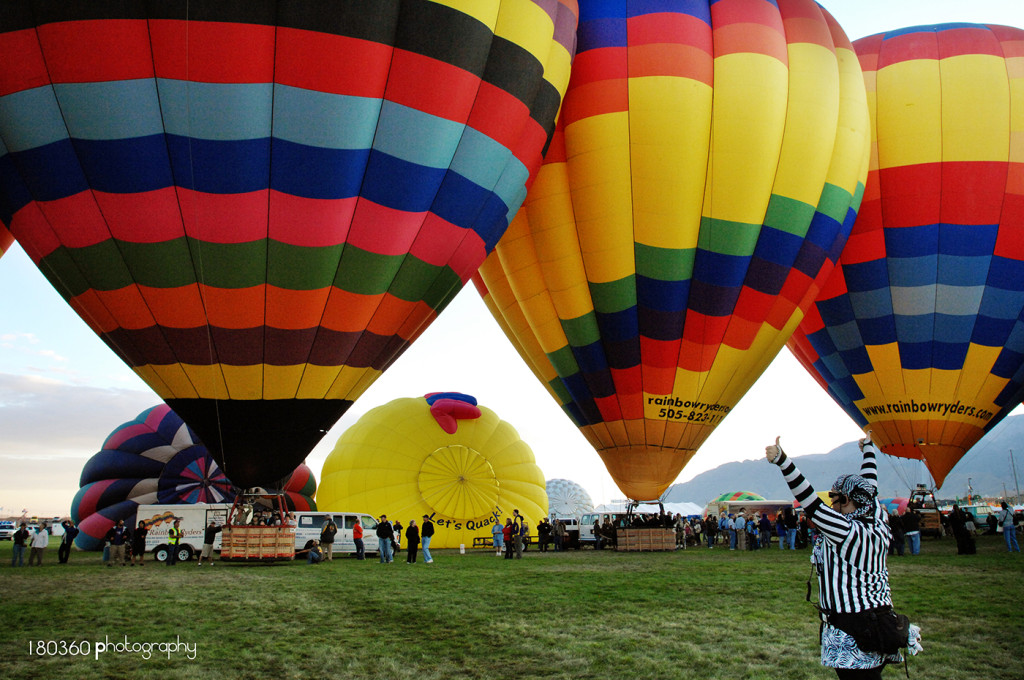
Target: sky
(62, 391)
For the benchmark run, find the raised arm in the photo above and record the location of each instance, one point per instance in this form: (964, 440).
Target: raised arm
(834, 525)
(869, 465)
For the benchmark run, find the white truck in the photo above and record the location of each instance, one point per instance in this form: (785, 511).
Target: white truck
(196, 517)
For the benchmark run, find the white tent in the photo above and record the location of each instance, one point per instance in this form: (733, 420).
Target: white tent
(684, 509)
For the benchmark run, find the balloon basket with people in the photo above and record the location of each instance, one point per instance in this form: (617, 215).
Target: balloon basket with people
(258, 529)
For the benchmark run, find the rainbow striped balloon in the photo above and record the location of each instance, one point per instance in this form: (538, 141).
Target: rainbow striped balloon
(706, 168)
(259, 204)
(919, 334)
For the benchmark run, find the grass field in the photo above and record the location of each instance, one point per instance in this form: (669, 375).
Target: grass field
(589, 614)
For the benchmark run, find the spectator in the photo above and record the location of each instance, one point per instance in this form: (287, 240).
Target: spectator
(739, 525)
(118, 536)
(18, 545)
(765, 530)
(139, 543)
(412, 542)
(66, 541)
(896, 545)
(174, 536)
(1005, 519)
(426, 534)
(385, 535)
(507, 532)
(789, 518)
(912, 530)
(357, 539)
(497, 538)
(40, 540)
(544, 533)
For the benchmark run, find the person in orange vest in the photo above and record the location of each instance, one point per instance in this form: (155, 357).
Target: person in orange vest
(174, 536)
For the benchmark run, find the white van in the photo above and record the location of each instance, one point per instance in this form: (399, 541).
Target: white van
(309, 525)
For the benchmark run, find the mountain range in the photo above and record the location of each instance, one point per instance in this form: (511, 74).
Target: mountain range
(987, 468)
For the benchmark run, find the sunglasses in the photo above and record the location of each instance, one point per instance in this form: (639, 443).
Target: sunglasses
(835, 496)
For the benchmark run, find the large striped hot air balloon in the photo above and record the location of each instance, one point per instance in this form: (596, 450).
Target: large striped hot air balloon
(919, 334)
(705, 171)
(259, 204)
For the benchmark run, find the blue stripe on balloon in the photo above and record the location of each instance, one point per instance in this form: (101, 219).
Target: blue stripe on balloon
(720, 270)
(111, 463)
(1006, 273)
(119, 109)
(915, 329)
(659, 325)
(618, 326)
(590, 358)
(50, 172)
(665, 296)
(597, 32)
(313, 172)
(324, 119)
(37, 105)
(214, 111)
(864, 276)
(878, 331)
(601, 383)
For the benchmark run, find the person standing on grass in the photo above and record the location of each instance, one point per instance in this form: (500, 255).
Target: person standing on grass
(1005, 518)
(912, 529)
(508, 538)
(209, 536)
(40, 540)
(18, 545)
(897, 544)
(427, 533)
(850, 558)
(70, 532)
(327, 534)
(174, 536)
(385, 534)
(139, 543)
(412, 542)
(117, 537)
(357, 539)
(497, 538)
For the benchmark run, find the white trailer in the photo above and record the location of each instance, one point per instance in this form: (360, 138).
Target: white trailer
(194, 519)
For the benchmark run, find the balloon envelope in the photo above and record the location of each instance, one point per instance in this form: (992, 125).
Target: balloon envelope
(398, 460)
(705, 170)
(157, 459)
(259, 205)
(919, 334)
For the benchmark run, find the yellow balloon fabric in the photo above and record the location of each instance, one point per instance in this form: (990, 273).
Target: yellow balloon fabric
(397, 460)
(704, 174)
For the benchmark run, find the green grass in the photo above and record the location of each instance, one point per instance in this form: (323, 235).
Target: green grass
(694, 614)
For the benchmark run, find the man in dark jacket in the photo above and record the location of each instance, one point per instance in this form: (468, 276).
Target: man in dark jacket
(427, 533)
(385, 534)
(70, 532)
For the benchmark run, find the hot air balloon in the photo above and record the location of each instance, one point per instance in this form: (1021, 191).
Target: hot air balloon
(706, 168)
(567, 498)
(919, 334)
(259, 205)
(400, 460)
(157, 459)
(5, 239)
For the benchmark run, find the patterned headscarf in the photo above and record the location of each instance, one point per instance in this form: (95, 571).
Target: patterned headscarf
(860, 491)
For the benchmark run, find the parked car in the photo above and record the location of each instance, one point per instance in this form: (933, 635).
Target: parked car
(7, 529)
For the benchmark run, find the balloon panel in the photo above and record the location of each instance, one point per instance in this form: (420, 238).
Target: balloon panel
(704, 174)
(919, 334)
(398, 460)
(257, 205)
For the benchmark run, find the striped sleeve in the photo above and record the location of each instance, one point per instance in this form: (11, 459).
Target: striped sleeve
(869, 466)
(834, 525)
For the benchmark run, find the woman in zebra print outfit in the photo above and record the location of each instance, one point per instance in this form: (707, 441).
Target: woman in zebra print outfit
(850, 555)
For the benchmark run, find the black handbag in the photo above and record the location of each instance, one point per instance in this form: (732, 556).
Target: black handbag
(879, 630)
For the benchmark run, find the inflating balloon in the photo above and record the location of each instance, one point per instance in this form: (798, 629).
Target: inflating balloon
(706, 168)
(919, 334)
(157, 459)
(259, 205)
(567, 498)
(398, 460)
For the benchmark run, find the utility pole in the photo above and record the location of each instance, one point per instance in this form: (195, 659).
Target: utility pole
(1013, 466)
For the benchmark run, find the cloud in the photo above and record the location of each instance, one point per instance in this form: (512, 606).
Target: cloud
(50, 429)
